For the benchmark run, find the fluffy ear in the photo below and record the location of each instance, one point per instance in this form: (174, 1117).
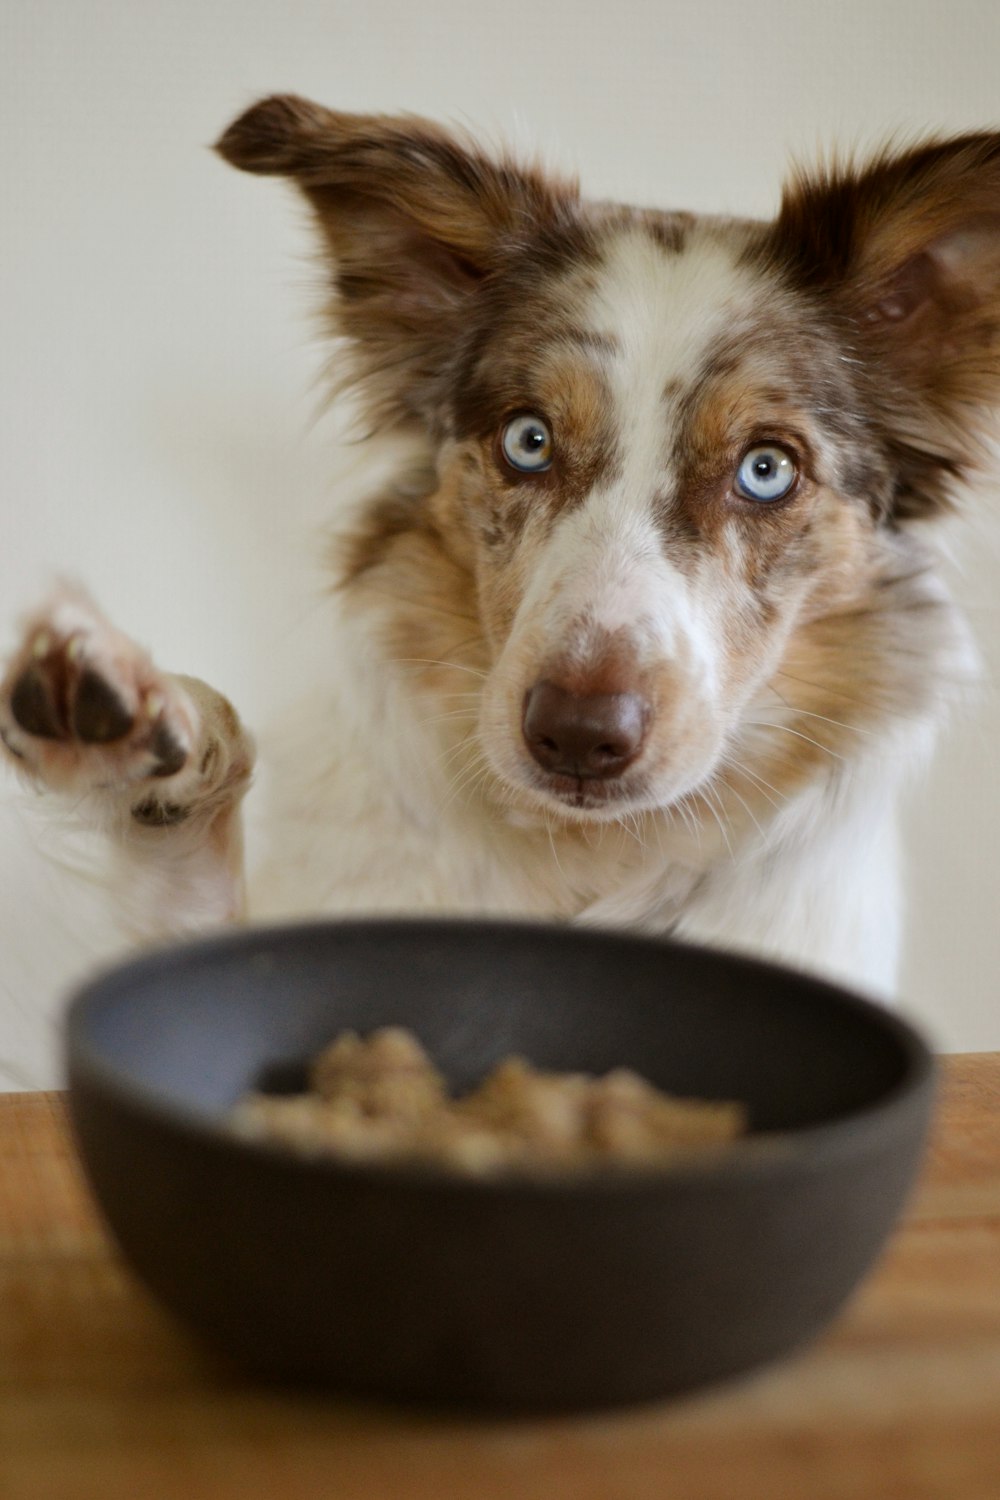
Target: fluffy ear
(906, 253)
(414, 217)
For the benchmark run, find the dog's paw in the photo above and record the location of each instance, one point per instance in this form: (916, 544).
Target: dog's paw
(83, 708)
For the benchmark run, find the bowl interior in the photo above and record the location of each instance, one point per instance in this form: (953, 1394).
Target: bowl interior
(194, 1027)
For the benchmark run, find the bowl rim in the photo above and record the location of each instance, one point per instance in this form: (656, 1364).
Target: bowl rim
(760, 1154)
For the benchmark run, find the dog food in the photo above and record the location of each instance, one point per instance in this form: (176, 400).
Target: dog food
(381, 1099)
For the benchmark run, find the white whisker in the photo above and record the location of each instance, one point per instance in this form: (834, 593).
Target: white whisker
(552, 846)
(450, 717)
(763, 724)
(708, 793)
(622, 820)
(434, 661)
(820, 687)
(764, 786)
(423, 604)
(744, 804)
(808, 713)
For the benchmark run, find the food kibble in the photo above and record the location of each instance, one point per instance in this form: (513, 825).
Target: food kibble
(380, 1099)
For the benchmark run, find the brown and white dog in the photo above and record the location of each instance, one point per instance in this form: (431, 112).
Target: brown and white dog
(646, 629)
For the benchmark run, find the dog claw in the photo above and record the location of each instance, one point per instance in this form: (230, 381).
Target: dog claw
(170, 753)
(99, 716)
(34, 706)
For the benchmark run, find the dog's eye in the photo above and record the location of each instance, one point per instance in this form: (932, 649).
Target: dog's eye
(766, 473)
(526, 443)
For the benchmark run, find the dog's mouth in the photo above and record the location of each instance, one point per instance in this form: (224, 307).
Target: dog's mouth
(580, 798)
(584, 793)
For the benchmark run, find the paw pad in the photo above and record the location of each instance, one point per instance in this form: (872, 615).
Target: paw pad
(52, 701)
(35, 706)
(98, 714)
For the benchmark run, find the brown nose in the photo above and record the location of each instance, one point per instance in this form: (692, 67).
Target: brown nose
(598, 735)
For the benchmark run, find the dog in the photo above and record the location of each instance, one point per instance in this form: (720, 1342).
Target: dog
(647, 627)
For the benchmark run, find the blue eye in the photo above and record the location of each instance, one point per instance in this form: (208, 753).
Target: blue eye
(527, 444)
(766, 473)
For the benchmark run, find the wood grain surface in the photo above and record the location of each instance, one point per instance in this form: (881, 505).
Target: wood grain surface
(102, 1397)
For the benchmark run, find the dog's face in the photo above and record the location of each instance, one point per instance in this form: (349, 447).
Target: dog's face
(649, 454)
(666, 447)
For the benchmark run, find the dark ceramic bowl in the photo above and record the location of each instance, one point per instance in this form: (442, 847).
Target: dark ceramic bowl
(513, 1294)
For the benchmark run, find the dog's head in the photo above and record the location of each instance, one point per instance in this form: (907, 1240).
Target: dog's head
(670, 451)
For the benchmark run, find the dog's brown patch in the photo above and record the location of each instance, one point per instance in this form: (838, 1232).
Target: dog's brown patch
(369, 541)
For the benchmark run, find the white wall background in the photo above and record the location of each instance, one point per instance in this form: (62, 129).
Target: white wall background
(158, 367)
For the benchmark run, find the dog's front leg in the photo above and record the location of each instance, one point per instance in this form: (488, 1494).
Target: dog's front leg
(157, 761)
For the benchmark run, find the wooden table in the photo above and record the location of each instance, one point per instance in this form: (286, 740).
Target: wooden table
(102, 1397)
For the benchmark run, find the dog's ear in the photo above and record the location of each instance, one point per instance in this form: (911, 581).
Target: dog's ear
(906, 252)
(415, 218)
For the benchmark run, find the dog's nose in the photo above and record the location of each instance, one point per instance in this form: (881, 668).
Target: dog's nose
(596, 735)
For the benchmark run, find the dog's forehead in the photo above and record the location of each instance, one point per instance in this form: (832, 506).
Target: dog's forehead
(666, 306)
(651, 293)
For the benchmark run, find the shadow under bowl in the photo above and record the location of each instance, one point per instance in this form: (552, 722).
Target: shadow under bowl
(510, 1293)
